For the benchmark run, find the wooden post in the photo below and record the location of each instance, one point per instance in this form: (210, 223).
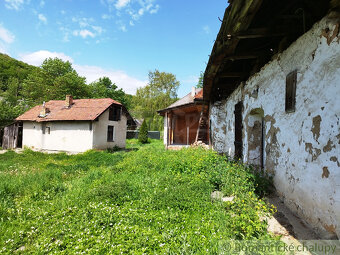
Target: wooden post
(187, 135)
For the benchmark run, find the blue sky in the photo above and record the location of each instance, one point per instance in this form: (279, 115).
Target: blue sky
(121, 39)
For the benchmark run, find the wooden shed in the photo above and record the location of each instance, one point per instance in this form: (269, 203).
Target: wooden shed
(186, 121)
(12, 137)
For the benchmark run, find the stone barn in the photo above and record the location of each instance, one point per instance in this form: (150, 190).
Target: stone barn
(273, 83)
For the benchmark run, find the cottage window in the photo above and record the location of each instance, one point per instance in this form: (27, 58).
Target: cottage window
(110, 133)
(43, 128)
(291, 91)
(48, 130)
(115, 113)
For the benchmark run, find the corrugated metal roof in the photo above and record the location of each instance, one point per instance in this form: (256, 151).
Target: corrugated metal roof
(81, 109)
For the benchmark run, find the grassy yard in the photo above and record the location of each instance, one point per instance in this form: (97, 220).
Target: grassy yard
(145, 200)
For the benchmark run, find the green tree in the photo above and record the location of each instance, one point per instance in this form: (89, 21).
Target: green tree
(160, 92)
(143, 133)
(55, 79)
(105, 88)
(200, 81)
(11, 95)
(12, 68)
(9, 112)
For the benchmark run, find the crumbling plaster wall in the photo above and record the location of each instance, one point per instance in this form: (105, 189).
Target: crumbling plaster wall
(302, 148)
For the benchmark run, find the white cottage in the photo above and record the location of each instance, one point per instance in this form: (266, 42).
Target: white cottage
(75, 125)
(273, 82)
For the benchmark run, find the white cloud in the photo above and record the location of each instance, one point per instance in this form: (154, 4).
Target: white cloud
(106, 16)
(206, 29)
(123, 28)
(86, 29)
(38, 57)
(92, 73)
(83, 33)
(98, 29)
(120, 78)
(141, 12)
(14, 4)
(121, 4)
(66, 33)
(155, 9)
(145, 6)
(83, 22)
(42, 3)
(135, 9)
(5, 35)
(42, 18)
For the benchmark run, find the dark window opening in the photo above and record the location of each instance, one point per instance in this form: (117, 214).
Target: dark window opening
(291, 91)
(48, 130)
(238, 131)
(20, 131)
(43, 128)
(115, 113)
(110, 133)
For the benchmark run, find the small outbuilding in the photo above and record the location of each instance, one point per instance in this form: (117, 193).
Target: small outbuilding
(75, 125)
(12, 136)
(185, 121)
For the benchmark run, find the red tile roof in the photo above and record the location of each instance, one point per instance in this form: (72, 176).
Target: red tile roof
(81, 109)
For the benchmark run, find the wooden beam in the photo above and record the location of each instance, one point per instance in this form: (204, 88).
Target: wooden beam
(289, 16)
(231, 75)
(237, 17)
(241, 56)
(261, 32)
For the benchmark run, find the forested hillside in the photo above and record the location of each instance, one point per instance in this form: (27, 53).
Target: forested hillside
(12, 68)
(23, 86)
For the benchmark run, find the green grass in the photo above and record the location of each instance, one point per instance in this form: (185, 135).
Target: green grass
(141, 200)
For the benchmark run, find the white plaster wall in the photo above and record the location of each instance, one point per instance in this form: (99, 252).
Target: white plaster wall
(64, 136)
(32, 135)
(304, 161)
(100, 132)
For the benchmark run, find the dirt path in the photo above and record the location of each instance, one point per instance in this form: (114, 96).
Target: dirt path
(286, 224)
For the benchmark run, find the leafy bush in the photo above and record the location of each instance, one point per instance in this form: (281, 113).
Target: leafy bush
(114, 149)
(143, 133)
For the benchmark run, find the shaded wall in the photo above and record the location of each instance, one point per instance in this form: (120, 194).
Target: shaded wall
(100, 131)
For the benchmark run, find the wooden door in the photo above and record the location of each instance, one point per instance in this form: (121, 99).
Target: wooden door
(238, 131)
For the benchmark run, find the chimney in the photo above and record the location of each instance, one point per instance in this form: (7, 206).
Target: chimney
(193, 91)
(68, 101)
(44, 111)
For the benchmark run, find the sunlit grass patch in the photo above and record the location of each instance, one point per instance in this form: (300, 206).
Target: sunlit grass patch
(143, 200)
